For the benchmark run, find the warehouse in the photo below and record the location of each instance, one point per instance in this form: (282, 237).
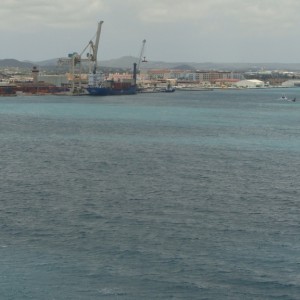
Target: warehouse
(250, 83)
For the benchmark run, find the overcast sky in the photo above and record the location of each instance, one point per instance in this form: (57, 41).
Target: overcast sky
(175, 30)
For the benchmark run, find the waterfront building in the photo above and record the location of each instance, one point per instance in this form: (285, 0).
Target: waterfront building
(214, 76)
(156, 74)
(250, 83)
(291, 83)
(194, 76)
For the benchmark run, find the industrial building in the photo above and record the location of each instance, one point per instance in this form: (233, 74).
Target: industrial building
(250, 83)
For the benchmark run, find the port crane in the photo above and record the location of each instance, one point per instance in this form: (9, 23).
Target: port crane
(75, 59)
(94, 48)
(141, 58)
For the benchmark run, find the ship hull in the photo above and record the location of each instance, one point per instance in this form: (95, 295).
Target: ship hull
(106, 91)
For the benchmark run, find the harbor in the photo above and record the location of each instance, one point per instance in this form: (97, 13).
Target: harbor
(80, 73)
(149, 150)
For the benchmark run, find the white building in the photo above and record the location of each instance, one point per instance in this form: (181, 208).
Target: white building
(291, 83)
(250, 83)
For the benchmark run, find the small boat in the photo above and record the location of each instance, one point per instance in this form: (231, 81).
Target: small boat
(283, 97)
(168, 89)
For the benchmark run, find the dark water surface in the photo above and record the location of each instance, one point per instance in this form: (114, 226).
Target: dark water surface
(155, 196)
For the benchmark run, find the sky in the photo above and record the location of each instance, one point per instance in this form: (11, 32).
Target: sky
(175, 30)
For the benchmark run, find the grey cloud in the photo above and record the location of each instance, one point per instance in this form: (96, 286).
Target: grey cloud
(204, 29)
(49, 13)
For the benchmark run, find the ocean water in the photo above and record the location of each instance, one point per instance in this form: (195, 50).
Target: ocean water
(188, 195)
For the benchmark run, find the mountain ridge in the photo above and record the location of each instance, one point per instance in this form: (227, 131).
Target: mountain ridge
(14, 63)
(126, 63)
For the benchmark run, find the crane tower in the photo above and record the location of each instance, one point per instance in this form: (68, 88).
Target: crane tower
(74, 59)
(141, 58)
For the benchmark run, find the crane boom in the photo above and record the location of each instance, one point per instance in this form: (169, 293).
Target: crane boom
(95, 46)
(141, 55)
(75, 59)
(97, 41)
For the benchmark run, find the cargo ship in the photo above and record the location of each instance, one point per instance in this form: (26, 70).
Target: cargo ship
(98, 86)
(113, 90)
(7, 90)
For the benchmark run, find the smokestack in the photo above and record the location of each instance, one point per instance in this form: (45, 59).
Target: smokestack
(35, 74)
(134, 73)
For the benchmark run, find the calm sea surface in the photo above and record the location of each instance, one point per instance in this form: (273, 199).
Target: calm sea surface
(190, 195)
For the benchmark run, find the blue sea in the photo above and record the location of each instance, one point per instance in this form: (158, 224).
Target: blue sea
(185, 195)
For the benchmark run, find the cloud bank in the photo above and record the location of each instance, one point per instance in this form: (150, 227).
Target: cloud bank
(24, 14)
(190, 30)
(58, 13)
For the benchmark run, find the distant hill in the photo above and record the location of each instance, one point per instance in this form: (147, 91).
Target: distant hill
(13, 63)
(48, 63)
(183, 67)
(126, 63)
